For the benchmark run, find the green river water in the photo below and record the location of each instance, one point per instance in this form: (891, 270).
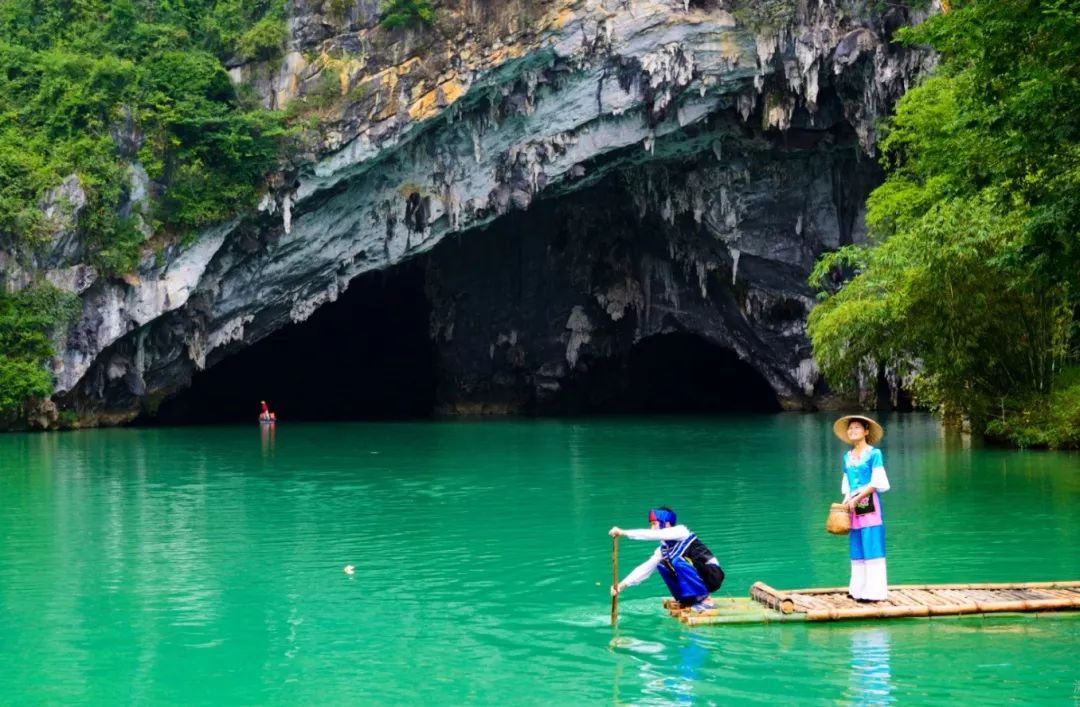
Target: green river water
(205, 565)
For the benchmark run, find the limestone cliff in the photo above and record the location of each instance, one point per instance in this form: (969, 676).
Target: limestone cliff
(676, 165)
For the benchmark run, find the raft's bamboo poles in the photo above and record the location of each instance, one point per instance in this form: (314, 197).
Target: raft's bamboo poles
(772, 598)
(1074, 584)
(916, 600)
(764, 617)
(767, 604)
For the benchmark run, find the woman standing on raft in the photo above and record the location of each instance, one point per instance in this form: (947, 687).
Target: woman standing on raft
(864, 479)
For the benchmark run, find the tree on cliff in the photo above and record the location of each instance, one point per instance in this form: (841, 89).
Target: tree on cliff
(406, 13)
(972, 278)
(91, 88)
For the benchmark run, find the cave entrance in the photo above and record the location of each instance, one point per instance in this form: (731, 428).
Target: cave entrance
(677, 373)
(366, 356)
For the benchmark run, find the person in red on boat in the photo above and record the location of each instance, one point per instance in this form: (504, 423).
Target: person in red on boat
(264, 412)
(688, 568)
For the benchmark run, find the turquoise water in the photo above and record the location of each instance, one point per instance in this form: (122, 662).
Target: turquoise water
(205, 565)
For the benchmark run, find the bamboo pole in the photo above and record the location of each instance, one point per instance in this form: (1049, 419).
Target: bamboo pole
(739, 607)
(771, 598)
(1067, 585)
(996, 585)
(956, 598)
(990, 595)
(906, 597)
(765, 616)
(807, 603)
(615, 580)
(1057, 593)
(1025, 595)
(869, 612)
(925, 596)
(953, 609)
(1030, 605)
(820, 590)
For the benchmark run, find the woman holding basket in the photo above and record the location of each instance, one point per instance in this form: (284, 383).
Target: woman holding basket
(864, 480)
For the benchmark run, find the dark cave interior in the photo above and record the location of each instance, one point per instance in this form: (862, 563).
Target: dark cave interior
(365, 356)
(676, 373)
(368, 356)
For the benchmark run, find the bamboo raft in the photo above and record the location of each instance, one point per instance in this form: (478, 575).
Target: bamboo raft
(766, 605)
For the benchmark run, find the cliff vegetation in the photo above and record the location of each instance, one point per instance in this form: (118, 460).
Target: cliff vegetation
(87, 83)
(971, 284)
(88, 89)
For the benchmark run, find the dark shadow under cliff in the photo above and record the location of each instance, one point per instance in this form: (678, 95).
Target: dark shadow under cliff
(369, 356)
(485, 324)
(676, 373)
(365, 356)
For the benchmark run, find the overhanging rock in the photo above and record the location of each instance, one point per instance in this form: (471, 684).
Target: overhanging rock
(454, 131)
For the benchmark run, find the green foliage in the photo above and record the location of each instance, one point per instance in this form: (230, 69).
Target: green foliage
(241, 28)
(264, 40)
(327, 91)
(68, 419)
(1042, 421)
(940, 296)
(28, 320)
(405, 13)
(75, 72)
(972, 281)
(117, 245)
(21, 380)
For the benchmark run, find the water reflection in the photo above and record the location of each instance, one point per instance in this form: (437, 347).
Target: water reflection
(869, 682)
(666, 682)
(692, 654)
(268, 435)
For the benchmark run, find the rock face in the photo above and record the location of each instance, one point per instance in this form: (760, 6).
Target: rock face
(523, 311)
(672, 165)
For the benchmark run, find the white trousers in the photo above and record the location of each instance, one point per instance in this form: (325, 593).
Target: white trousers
(869, 580)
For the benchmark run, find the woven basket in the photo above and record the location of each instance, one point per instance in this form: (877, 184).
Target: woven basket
(839, 520)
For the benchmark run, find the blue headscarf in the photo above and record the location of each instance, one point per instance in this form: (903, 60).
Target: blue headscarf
(662, 516)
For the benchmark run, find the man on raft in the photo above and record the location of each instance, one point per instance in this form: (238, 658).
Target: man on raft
(686, 565)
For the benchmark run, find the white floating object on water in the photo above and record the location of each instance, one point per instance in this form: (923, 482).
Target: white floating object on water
(349, 569)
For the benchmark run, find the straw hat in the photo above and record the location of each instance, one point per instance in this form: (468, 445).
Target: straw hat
(874, 431)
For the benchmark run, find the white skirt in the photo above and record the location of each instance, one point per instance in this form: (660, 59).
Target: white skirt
(869, 580)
